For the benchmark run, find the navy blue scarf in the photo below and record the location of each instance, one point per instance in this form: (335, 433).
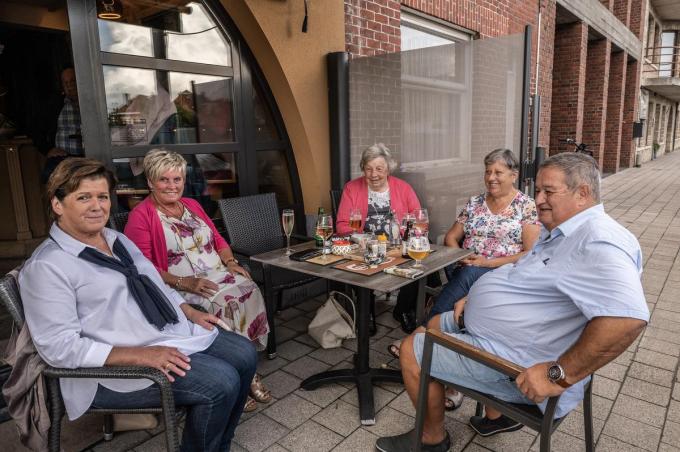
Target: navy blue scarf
(153, 303)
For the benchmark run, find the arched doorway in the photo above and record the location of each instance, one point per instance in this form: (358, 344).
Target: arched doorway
(177, 74)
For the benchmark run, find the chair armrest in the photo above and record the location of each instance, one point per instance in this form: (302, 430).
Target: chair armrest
(124, 372)
(476, 354)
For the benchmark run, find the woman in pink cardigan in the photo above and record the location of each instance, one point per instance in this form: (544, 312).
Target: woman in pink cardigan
(375, 194)
(180, 239)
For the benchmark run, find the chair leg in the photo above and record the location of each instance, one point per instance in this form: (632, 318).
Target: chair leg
(56, 409)
(423, 389)
(270, 305)
(479, 409)
(545, 441)
(108, 427)
(588, 416)
(374, 326)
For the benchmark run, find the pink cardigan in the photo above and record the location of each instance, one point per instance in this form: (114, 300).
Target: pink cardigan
(144, 228)
(355, 195)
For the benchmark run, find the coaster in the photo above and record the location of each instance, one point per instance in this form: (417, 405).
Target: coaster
(330, 259)
(364, 269)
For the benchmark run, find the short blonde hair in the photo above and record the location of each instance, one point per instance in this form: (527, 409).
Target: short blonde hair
(158, 161)
(375, 151)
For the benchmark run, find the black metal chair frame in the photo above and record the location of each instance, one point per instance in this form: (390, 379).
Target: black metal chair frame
(11, 299)
(242, 249)
(529, 415)
(118, 220)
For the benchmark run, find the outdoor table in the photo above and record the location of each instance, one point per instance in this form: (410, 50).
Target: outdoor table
(361, 374)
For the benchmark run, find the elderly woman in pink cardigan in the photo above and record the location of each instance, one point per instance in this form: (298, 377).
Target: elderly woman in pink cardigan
(374, 194)
(180, 239)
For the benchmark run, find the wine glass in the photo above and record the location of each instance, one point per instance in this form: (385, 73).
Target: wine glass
(288, 220)
(418, 248)
(421, 220)
(324, 228)
(355, 218)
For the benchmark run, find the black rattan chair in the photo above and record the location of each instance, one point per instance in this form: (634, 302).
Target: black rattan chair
(117, 221)
(253, 226)
(336, 195)
(11, 300)
(529, 415)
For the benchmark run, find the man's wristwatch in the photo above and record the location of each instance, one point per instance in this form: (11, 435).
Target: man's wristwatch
(557, 375)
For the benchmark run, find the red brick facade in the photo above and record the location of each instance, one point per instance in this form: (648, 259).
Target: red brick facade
(596, 91)
(617, 88)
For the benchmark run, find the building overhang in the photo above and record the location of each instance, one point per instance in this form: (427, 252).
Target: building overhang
(666, 9)
(668, 87)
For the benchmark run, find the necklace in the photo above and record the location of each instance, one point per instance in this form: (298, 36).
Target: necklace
(169, 212)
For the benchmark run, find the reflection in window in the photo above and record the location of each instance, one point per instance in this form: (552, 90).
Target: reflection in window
(193, 109)
(157, 29)
(209, 178)
(265, 129)
(273, 176)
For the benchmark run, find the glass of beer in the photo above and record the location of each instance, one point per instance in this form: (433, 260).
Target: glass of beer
(421, 220)
(355, 220)
(288, 221)
(324, 228)
(418, 248)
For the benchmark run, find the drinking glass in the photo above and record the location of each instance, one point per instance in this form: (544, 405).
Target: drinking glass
(421, 220)
(288, 220)
(324, 228)
(418, 248)
(355, 218)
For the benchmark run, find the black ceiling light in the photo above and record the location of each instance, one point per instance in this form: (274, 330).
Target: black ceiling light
(109, 9)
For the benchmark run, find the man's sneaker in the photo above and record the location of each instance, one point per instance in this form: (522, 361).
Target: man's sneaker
(404, 443)
(487, 427)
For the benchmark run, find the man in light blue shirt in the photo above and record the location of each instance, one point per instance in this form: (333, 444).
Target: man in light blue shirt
(562, 311)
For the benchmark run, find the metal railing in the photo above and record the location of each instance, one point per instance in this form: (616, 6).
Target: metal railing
(662, 61)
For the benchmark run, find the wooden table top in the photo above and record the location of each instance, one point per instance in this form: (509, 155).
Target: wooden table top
(380, 281)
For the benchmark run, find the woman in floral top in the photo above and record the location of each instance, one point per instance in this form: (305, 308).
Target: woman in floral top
(180, 239)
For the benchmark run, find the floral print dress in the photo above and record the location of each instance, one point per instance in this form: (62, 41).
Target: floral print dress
(496, 235)
(238, 300)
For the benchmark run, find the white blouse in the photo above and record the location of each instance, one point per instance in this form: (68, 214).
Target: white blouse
(78, 311)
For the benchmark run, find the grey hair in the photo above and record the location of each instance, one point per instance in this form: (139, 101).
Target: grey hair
(579, 169)
(158, 161)
(375, 151)
(506, 156)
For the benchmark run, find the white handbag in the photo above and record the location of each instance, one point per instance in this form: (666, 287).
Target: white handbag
(332, 323)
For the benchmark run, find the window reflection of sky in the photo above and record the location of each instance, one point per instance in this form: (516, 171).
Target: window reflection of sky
(123, 84)
(200, 41)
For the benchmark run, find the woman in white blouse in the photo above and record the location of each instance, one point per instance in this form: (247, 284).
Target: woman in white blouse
(92, 299)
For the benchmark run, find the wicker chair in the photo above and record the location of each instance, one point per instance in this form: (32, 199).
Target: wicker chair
(528, 415)
(118, 220)
(253, 225)
(336, 195)
(11, 300)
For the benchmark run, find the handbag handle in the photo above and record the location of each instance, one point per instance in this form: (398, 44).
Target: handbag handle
(352, 320)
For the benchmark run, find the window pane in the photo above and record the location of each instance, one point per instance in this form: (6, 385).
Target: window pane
(193, 109)
(209, 177)
(273, 176)
(184, 33)
(265, 129)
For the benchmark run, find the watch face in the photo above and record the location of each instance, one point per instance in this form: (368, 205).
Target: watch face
(554, 373)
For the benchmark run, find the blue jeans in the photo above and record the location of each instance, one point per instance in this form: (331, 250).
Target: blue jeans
(461, 279)
(214, 390)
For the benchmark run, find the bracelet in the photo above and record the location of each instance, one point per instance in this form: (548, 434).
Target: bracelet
(178, 283)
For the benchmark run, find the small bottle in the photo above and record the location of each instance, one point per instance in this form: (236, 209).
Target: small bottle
(404, 239)
(317, 237)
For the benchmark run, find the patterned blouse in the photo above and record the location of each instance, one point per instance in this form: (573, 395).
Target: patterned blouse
(496, 235)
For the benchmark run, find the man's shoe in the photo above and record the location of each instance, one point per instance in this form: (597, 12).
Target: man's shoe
(407, 320)
(404, 443)
(487, 427)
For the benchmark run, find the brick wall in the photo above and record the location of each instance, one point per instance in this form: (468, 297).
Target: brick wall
(630, 108)
(568, 89)
(372, 26)
(621, 9)
(617, 86)
(595, 107)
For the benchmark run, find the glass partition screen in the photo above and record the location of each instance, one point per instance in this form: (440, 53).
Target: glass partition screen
(440, 110)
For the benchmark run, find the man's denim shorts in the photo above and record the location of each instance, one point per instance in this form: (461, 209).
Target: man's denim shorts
(450, 366)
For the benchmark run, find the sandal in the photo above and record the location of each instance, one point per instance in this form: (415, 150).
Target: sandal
(251, 405)
(258, 391)
(452, 401)
(393, 348)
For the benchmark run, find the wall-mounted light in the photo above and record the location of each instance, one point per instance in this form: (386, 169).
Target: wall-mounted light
(109, 9)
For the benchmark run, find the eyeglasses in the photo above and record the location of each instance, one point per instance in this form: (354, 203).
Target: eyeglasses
(550, 193)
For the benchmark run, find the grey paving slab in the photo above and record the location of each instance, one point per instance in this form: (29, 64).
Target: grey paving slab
(651, 374)
(292, 350)
(640, 410)
(324, 395)
(671, 433)
(359, 441)
(259, 432)
(646, 391)
(610, 444)
(311, 437)
(633, 432)
(291, 411)
(281, 383)
(340, 417)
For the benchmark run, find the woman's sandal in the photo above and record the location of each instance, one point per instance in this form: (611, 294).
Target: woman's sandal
(258, 391)
(393, 348)
(452, 401)
(251, 405)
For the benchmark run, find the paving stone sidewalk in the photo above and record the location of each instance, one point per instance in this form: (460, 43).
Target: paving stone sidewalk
(636, 397)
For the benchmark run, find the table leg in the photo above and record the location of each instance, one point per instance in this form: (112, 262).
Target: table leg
(270, 305)
(420, 302)
(361, 374)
